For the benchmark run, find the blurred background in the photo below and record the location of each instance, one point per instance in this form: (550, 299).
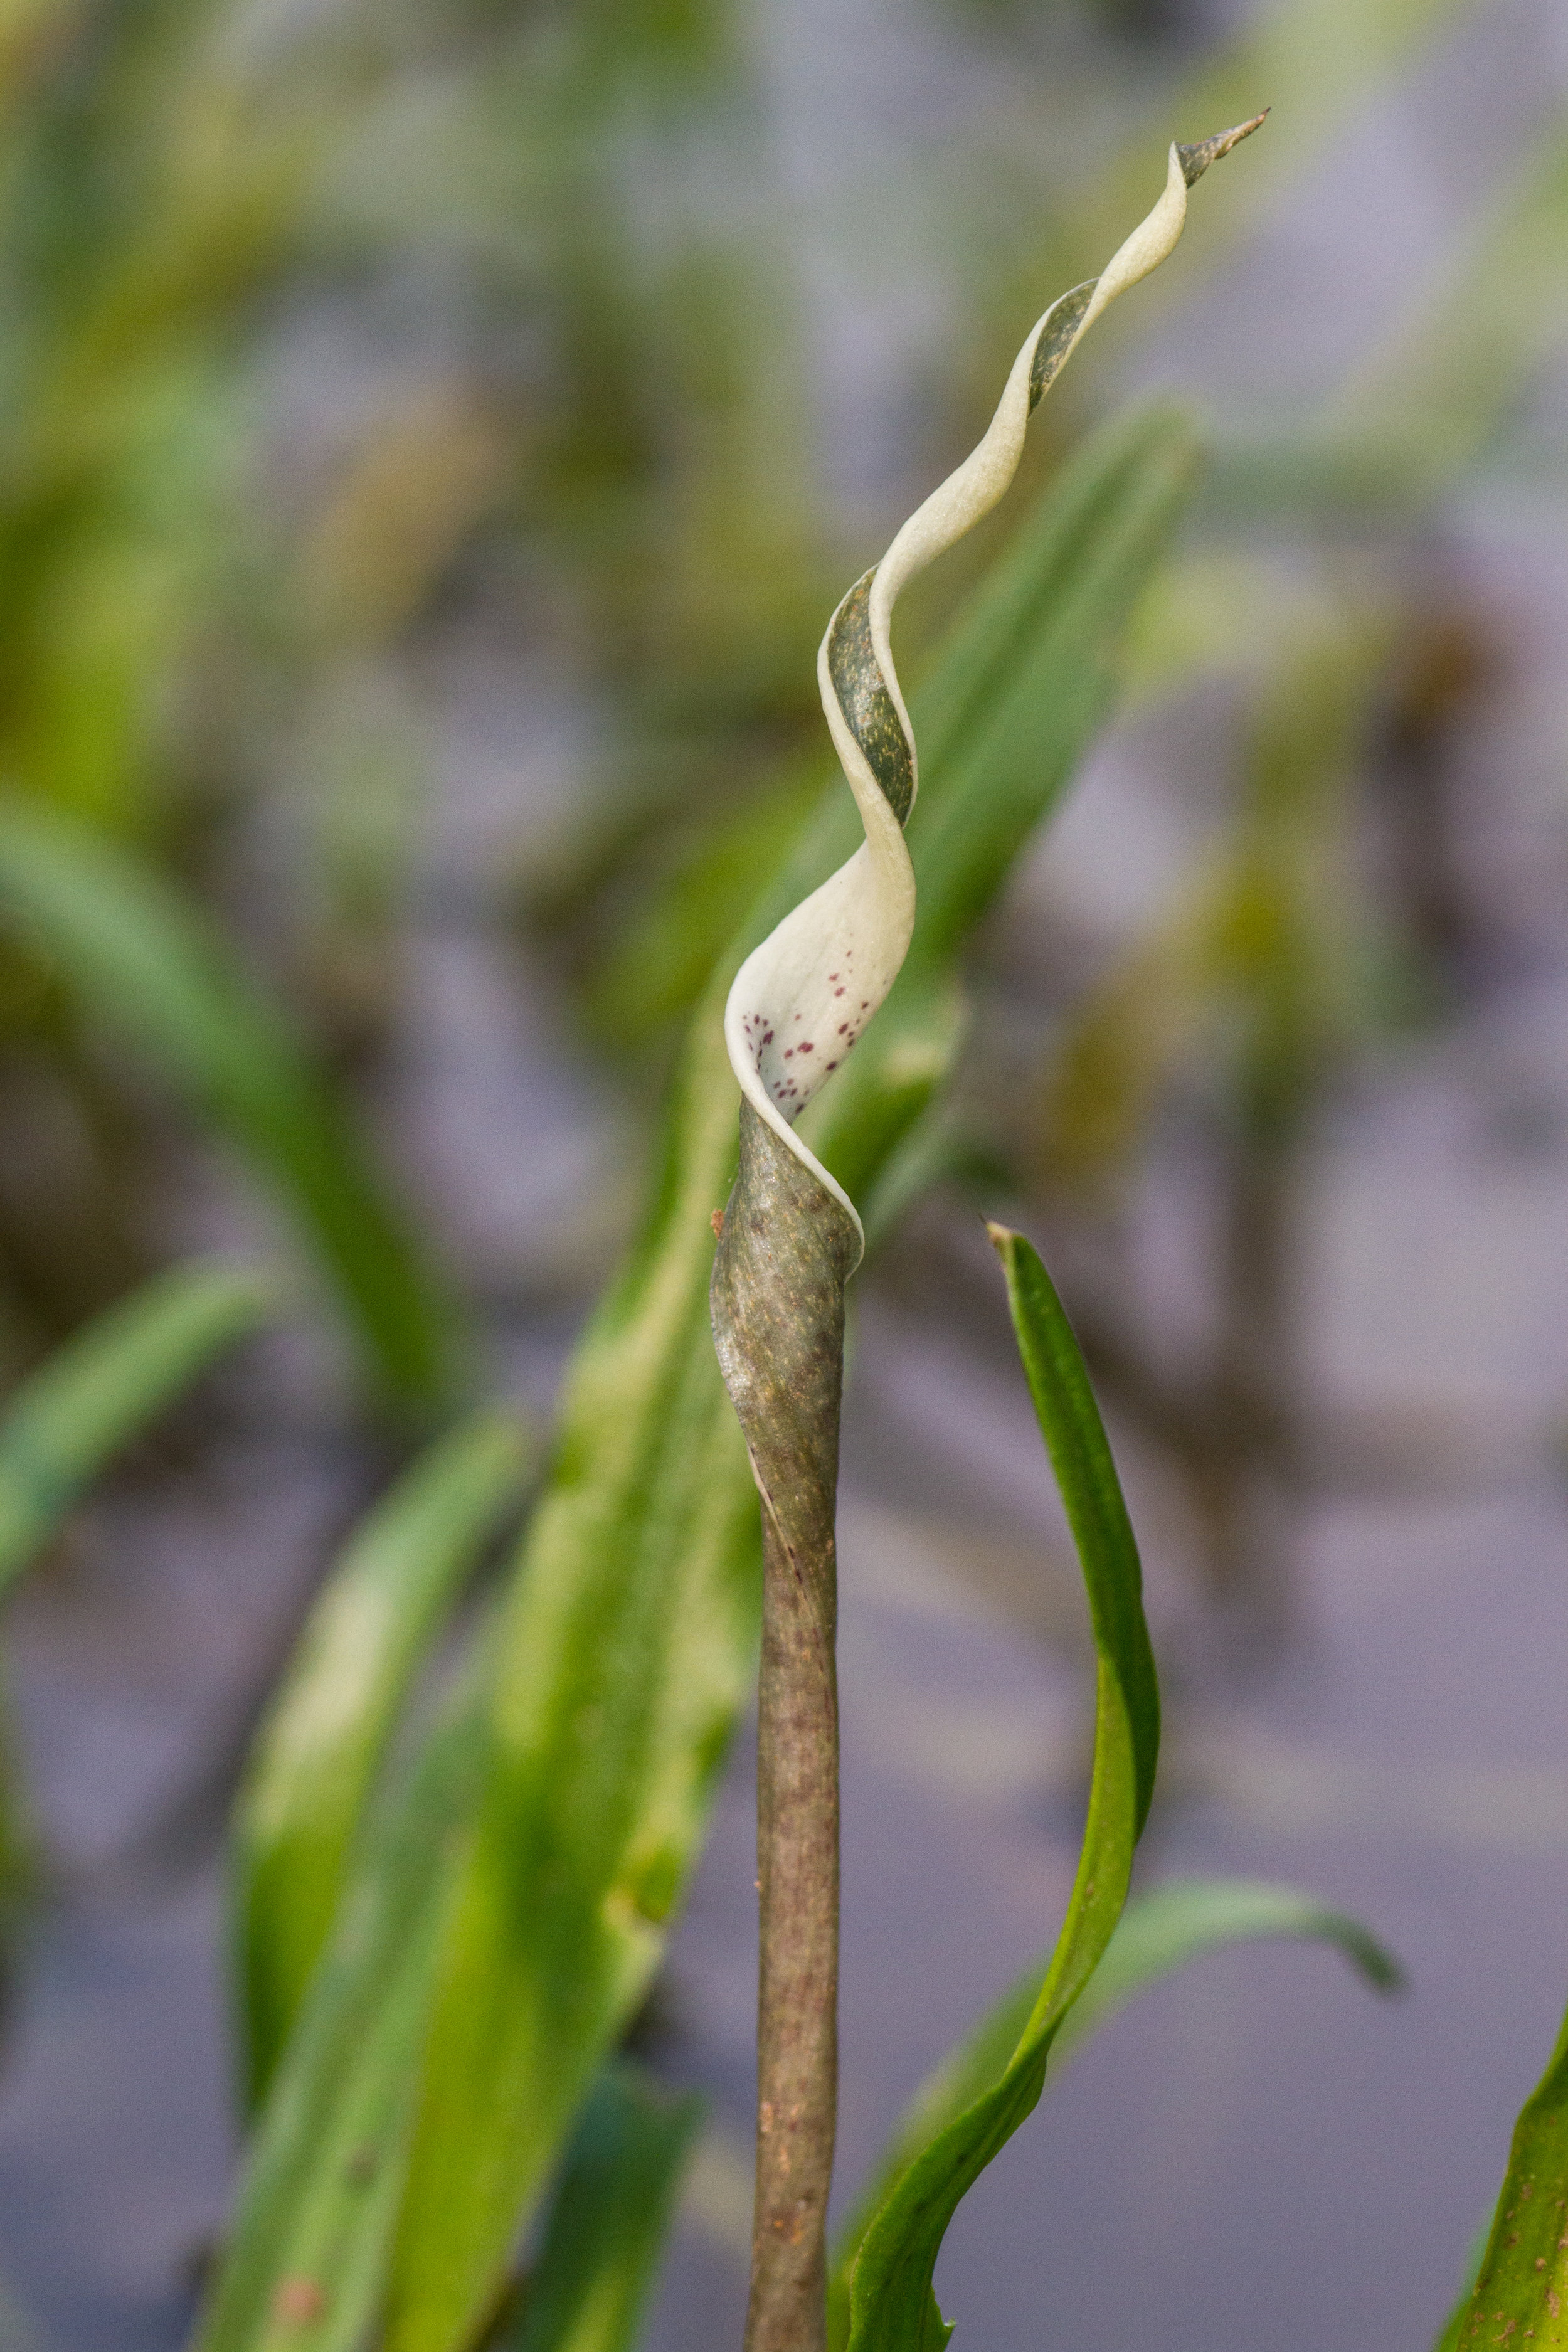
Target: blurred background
(432, 437)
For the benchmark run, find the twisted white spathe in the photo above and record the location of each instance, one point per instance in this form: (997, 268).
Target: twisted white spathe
(801, 999)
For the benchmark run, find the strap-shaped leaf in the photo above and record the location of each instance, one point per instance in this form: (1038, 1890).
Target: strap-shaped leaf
(628, 1643)
(318, 1751)
(305, 2260)
(1522, 2285)
(105, 1384)
(1451, 2334)
(1158, 1934)
(892, 2306)
(139, 958)
(605, 2228)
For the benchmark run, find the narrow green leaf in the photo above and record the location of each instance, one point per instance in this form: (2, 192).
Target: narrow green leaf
(139, 959)
(1158, 1934)
(628, 1644)
(1108, 1553)
(1179, 1922)
(1522, 2282)
(104, 1385)
(318, 1751)
(892, 2306)
(605, 2228)
(1451, 2334)
(306, 2257)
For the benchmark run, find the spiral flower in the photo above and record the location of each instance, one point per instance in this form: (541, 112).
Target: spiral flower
(788, 1242)
(801, 1000)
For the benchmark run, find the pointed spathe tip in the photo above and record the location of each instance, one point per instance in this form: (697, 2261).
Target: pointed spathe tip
(1194, 161)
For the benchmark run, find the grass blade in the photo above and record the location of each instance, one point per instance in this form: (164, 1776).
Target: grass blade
(1452, 2333)
(306, 2257)
(1522, 2280)
(628, 1644)
(104, 1385)
(317, 1755)
(139, 958)
(892, 2306)
(1158, 1934)
(606, 2225)
(1163, 1930)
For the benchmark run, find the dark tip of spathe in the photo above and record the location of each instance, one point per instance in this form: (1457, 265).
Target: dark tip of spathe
(1194, 161)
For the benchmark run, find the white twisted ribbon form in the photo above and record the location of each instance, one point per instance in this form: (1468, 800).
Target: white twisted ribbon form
(801, 999)
(788, 1242)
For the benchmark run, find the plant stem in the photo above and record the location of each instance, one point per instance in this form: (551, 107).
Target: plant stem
(785, 1251)
(798, 1986)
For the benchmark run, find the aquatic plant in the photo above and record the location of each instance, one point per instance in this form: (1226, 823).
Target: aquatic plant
(452, 1888)
(788, 1242)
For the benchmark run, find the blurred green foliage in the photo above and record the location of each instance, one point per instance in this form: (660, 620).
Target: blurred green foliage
(328, 1722)
(585, 431)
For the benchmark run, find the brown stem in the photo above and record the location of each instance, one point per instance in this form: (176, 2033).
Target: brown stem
(786, 1249)
(798, 1986)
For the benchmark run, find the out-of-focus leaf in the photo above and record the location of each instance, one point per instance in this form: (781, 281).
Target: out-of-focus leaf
(1438, 390)
(1522, 2280)
(1157, 1934)
(141, 960)
(630, 1641)
(606, 2224)
(1231, 612)
(658, 964)
(1263, 949)
(104, 1385)
(1123, 1041)
(25, 30)
(1314, 61)
(318, 1752)
(891, 2305)
(305, 2258)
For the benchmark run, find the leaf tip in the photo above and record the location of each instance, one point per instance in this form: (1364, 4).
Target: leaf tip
(1195, 160)
(1382, 1972)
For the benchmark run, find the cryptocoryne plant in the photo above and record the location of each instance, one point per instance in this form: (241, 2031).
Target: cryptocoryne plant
(788, 1242)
